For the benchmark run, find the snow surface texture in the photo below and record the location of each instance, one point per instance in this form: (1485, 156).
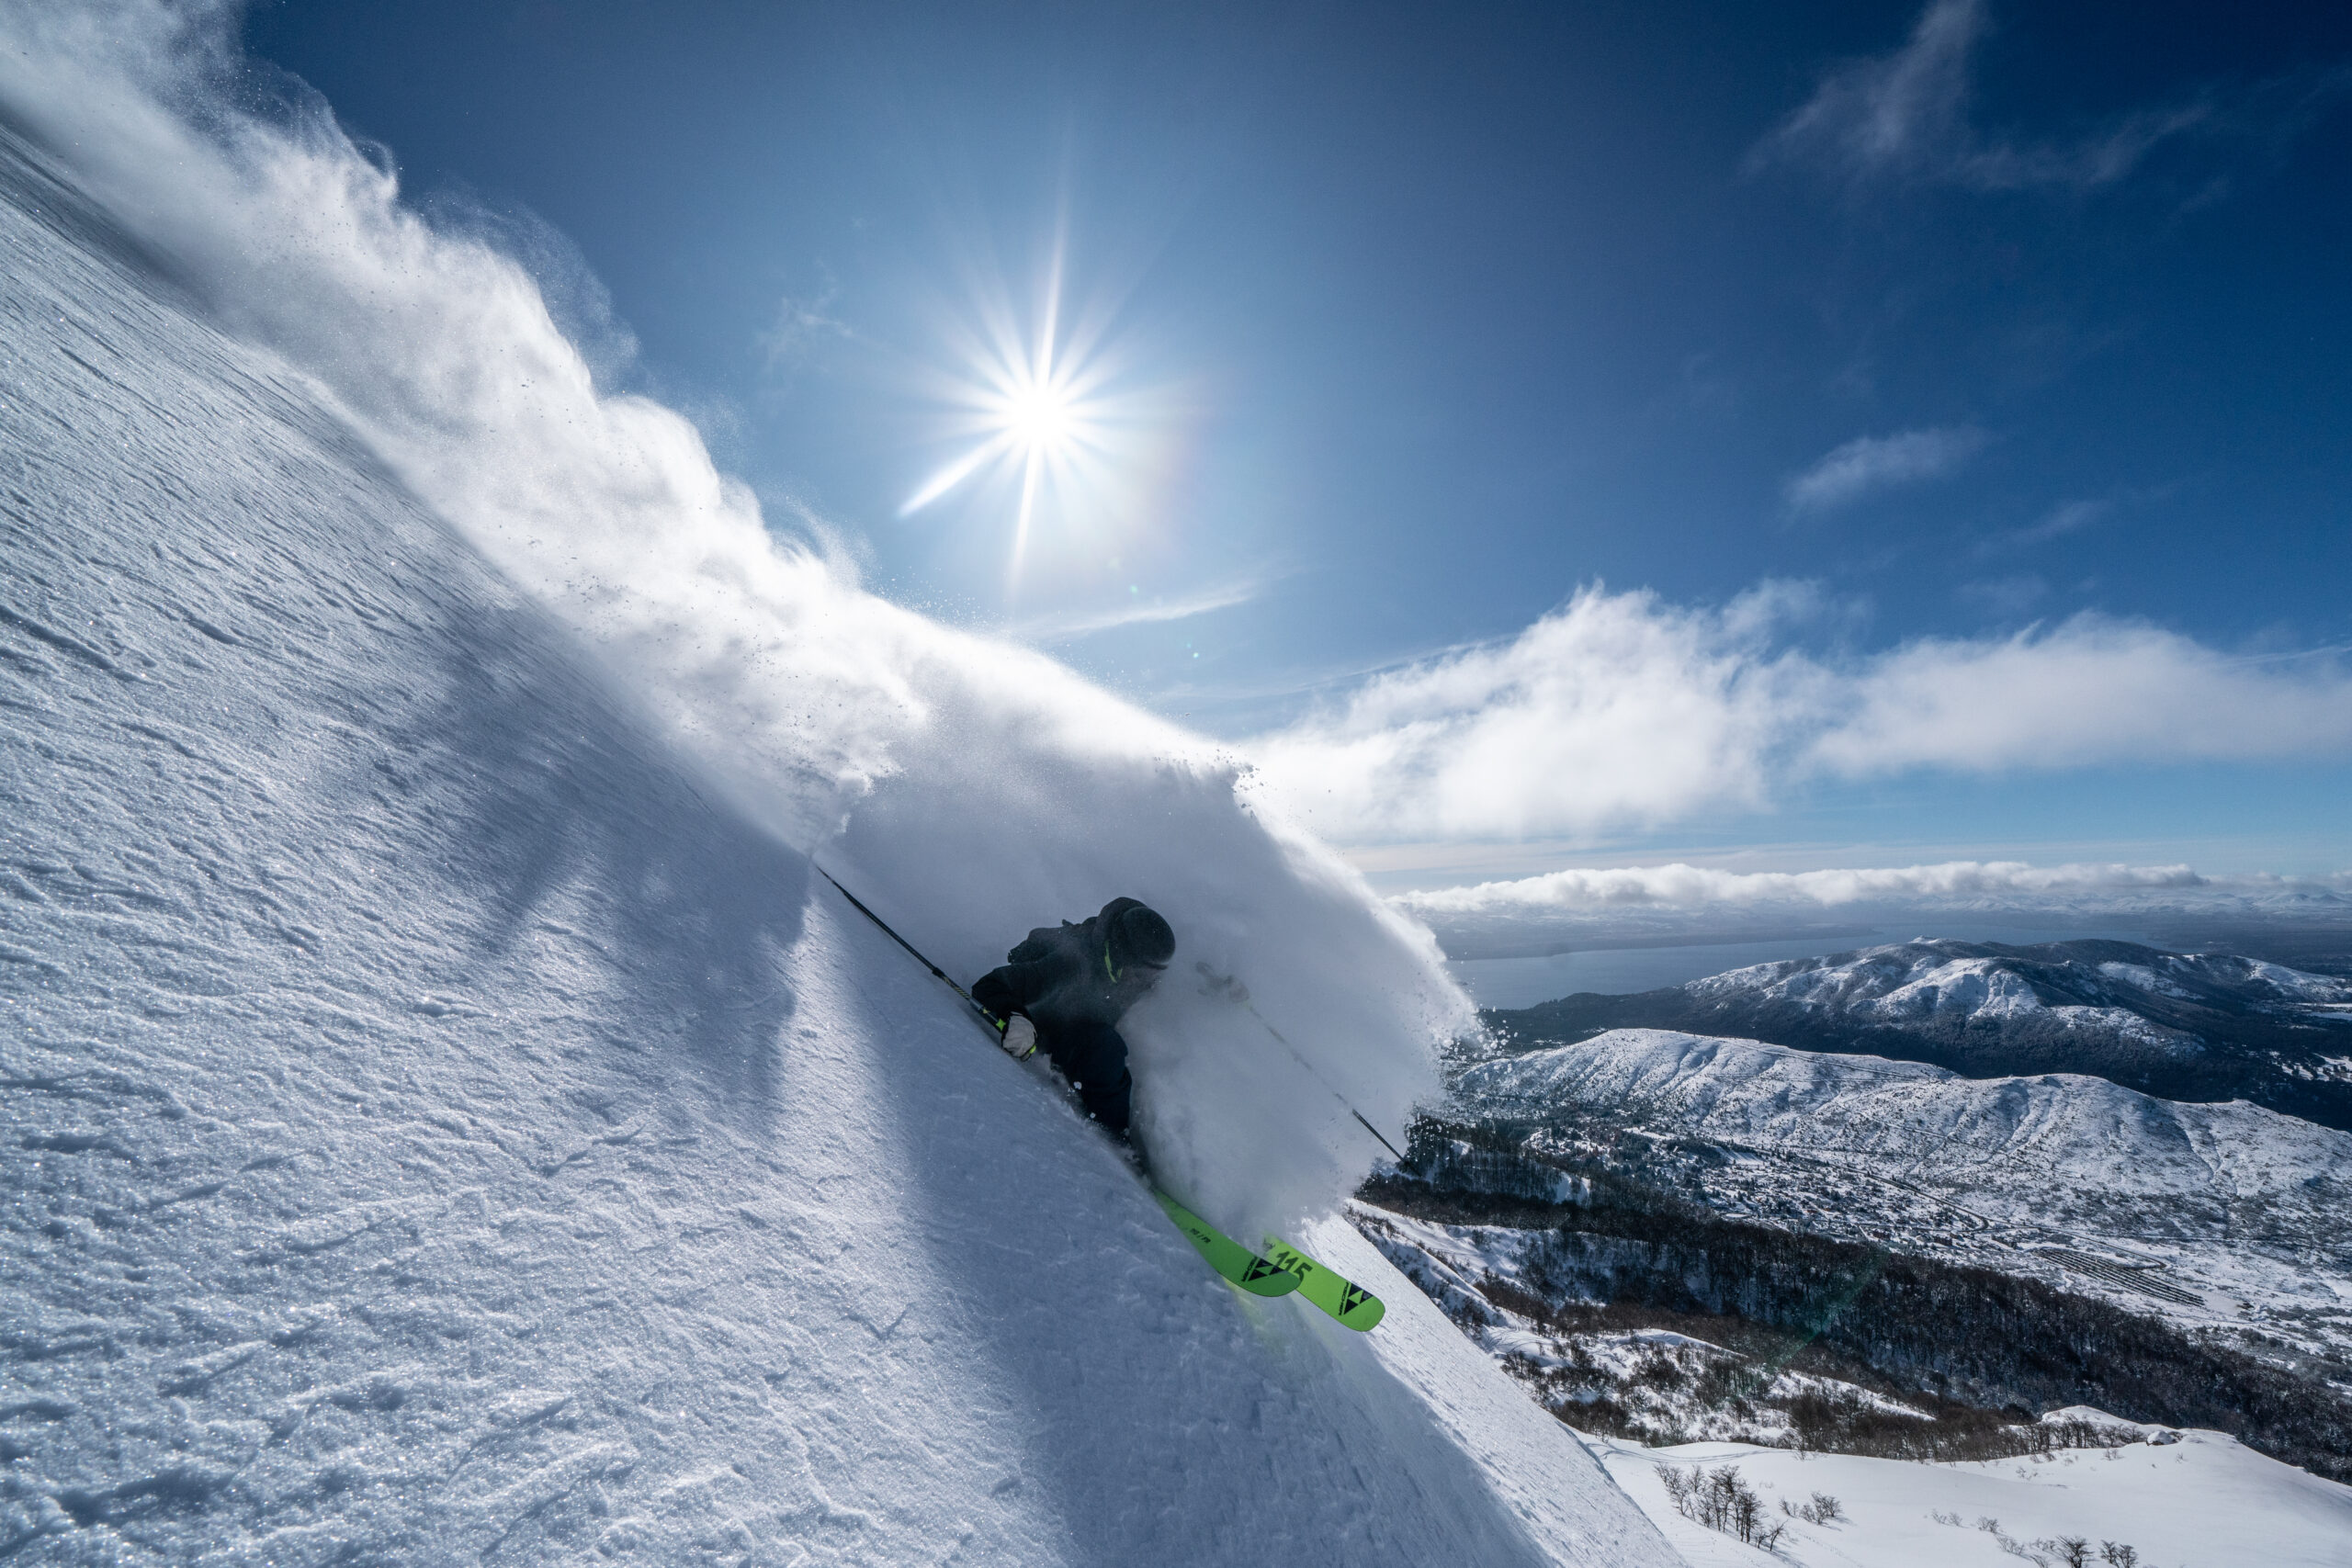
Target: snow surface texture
(2205, 1501)
(2208, 1214)
(443, 1127)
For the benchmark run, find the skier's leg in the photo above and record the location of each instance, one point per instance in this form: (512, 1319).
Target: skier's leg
(1094, 1059)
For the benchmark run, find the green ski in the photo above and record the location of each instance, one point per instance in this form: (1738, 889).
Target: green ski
(1227, 1256)
(1355, 1306)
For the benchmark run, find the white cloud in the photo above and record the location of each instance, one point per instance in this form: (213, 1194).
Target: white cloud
(1073, 625)
(1615, 707)
(1905, 116)
(1621, 710)
(2088, 691)
(1883, 462)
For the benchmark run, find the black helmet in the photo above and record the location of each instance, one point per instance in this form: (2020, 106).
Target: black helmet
(1134, 934)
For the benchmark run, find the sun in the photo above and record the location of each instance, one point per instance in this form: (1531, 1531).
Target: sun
(1034, 409)
(1040, 418)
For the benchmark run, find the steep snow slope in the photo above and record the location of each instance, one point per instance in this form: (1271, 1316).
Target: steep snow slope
(2210, 1213)
(443, 1125)
(2185, 1026)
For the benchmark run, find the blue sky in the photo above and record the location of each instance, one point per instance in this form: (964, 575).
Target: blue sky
(1856, 343)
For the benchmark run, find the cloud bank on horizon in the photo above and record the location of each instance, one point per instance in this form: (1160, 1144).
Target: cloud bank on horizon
(1655, 903)
(1949, 883)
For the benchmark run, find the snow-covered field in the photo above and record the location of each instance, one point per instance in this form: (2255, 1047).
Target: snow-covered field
(2202, 1502)
(2219, 1215)
(446, 1120)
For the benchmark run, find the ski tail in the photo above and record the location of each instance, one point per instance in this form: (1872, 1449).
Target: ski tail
(1236, 1262)
(1350, 1303)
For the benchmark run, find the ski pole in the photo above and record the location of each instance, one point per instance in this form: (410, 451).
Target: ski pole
(1299, 1057)
(859, 906)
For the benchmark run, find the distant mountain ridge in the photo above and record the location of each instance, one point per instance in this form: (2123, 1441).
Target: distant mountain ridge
(2192, 1027)
(1900, 1151)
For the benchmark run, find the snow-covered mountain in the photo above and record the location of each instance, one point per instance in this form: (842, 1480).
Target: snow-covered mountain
(447, 1119)
(2221, 1215)
(2181, 1026)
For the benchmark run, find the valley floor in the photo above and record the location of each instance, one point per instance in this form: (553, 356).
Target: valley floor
(2203, 1502)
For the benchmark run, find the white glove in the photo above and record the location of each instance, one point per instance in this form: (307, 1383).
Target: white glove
(1020, 1037)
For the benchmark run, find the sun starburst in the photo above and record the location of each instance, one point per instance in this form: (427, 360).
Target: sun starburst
(1032, 412)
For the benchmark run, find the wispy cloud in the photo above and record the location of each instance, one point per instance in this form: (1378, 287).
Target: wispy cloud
(1905, 116)
(1871, 463)
(800, 322)
(1621, 710)
(2005, 596)
(1070, 625)
(2068, 517)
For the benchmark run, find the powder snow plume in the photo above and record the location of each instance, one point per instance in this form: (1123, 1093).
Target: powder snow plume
(966, 789)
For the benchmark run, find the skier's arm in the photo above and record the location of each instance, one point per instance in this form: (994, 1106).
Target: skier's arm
(1037, 945)
(1013, 988)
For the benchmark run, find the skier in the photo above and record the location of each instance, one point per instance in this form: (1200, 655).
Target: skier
(1072, 985)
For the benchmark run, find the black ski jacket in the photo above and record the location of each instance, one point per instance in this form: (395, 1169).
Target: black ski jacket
(1063, 979)
(1067, 982)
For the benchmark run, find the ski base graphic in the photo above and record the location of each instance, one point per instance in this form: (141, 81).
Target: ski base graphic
(1350, 1303)
(1227, 1256)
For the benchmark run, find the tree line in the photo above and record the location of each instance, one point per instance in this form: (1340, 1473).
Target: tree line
(1964, 1338)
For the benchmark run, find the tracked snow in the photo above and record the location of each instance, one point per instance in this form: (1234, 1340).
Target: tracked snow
(444, 1126)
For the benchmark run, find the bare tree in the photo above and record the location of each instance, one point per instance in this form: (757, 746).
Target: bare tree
(1720, 1500)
